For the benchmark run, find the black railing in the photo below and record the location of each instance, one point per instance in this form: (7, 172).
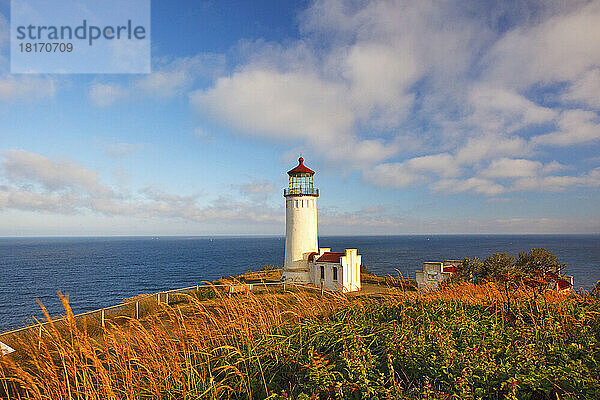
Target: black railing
(301, 191)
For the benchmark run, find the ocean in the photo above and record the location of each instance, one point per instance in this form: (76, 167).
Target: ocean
(102, 271)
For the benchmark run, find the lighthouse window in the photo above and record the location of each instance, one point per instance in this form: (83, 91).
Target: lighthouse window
(335, 273)
(296, 203)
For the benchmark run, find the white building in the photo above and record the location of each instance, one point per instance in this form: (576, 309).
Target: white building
(304, 261)
(435, 272)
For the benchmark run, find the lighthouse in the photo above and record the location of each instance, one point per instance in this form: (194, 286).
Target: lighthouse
(305, 262)
(300, 223)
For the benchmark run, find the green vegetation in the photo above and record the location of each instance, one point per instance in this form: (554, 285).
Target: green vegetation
(529, 265)
(461, 342)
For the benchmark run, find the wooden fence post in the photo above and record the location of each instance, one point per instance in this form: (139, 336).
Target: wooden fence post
(158, 298)
(167, 297)
(102, 317)
(137, 310)
(40, 337)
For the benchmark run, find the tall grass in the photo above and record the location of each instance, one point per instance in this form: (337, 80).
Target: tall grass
(460, 342)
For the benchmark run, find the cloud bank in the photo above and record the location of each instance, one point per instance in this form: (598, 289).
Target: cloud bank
(429, 93)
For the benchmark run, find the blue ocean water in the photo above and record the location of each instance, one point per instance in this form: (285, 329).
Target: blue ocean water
(99, 272)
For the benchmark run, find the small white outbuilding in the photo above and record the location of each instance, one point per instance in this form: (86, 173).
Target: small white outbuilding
(435, 272)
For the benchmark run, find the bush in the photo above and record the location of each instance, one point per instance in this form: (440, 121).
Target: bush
(538, 262)
(499, 266)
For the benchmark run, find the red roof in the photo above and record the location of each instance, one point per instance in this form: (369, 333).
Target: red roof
(563, 284)
(301, 168)
(312, 255)
(331, 256)
(450, 268)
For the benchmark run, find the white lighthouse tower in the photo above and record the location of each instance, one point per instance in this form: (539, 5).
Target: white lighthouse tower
(300, 224)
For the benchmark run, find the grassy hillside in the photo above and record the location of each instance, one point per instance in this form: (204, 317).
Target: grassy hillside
(463, 342)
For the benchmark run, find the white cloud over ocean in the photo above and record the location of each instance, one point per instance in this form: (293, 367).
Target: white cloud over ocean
(354, 85)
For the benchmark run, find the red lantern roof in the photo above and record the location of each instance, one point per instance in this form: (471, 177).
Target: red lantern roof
(301, 168)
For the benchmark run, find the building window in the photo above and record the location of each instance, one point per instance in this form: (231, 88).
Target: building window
(335, 273)
(322, 272)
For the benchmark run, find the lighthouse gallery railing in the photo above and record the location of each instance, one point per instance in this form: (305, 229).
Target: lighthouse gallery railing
(301, 191)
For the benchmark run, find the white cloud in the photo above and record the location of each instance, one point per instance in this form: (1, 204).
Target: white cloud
(278, 105)
(175, 77)
(498, 109)
(485, 187)
(170, 78)
(558, 183)
(414, 170)
(159, 195)
(28, 88)
(575, 127)
(380, 77)
(491, 146)
(104, 95)
(557, 49)
(586, 89)
(291, 106)
(553, 166)
(391, 175)
(512, 168)
(21, 166)
(37, 183)
(442, 164)
(21, 199)
(257, 190)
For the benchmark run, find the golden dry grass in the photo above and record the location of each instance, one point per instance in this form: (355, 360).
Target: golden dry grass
(201, 349)
(196, 348)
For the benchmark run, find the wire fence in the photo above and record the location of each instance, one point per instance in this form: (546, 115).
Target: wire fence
(135, 308)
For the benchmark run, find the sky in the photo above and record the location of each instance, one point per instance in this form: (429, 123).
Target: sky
(419, 117)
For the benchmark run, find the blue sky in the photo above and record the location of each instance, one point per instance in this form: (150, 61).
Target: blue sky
(419, 117)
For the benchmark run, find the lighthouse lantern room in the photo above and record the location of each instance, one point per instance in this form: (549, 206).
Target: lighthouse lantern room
(304, 261)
